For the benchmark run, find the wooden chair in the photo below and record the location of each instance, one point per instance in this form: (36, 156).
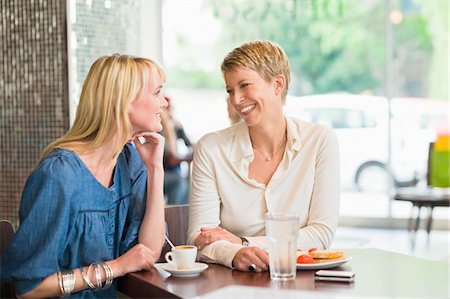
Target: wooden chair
(423, 198)
(177, 226)
(7, 232)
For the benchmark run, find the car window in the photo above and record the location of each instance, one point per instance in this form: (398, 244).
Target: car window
(429, 120)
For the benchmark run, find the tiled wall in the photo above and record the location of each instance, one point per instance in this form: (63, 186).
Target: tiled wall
(34, 106)
(97, 28)
(34, 74)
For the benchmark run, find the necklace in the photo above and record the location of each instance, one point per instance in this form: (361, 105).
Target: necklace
(269, 157)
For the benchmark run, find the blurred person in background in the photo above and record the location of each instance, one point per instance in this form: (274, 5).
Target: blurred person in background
(269, 162)
(178, 150)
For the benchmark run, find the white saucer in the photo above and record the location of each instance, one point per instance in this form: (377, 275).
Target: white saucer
(194, 271)
(163, 273)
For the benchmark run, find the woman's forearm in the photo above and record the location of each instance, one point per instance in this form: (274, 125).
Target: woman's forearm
(152, 230)
(50, 286)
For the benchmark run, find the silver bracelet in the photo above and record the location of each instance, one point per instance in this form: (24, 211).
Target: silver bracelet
(68, 282)
(59, 275)
(109, 276)
(86, 277)
(98, 277)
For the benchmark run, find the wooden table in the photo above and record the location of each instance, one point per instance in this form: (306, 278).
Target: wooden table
(379, 273)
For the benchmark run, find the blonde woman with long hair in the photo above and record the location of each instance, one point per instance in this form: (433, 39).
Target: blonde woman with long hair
(93, 209)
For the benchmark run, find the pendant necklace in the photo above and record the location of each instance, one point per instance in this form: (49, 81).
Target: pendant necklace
(269, 157)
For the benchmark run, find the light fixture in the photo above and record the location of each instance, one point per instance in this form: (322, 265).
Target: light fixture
(396, 17)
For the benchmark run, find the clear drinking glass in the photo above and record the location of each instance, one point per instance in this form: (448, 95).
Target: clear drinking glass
(282, 231)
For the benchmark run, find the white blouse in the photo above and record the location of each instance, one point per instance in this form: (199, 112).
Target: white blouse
(306, 182)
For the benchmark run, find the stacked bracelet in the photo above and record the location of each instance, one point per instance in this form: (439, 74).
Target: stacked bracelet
(86, 277)
(60, 283)
(109, 276)
(98, 277)
(66, 281)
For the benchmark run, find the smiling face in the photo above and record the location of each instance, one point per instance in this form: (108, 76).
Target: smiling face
(145, 111)
(256, 99)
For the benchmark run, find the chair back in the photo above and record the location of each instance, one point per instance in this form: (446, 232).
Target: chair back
(7, 232)
(177, 217)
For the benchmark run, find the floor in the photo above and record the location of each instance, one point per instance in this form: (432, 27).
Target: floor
(435, 248)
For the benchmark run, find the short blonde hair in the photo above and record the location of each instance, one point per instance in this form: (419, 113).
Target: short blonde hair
(111, 84)
(264, 57)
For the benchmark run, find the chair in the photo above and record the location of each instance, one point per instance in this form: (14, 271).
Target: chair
(429, 197)
(7, 232)
(177, 226)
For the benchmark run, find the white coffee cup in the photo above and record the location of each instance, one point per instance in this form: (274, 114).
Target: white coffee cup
(183, 256)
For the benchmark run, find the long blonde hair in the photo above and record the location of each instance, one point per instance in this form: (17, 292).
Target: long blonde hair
(111, 84)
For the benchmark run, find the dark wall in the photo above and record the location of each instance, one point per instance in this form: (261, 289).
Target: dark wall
(34, 97)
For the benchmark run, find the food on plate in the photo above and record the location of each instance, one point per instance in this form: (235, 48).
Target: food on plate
(326, 254)
(301, 252)
(316, 256)
(305, 259)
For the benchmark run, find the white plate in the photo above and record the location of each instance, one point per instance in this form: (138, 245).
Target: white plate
(326, 265)
(195, 271)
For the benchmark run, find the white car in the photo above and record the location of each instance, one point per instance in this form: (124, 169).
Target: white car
(361, 123)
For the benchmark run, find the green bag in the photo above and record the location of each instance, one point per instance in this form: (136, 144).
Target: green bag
(440, 169)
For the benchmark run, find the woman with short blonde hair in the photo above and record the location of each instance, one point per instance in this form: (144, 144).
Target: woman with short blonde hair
(266, 163)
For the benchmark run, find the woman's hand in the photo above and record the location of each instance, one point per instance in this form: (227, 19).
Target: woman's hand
(254, 256)
(210, 235)
(152, 151)
(138, 258)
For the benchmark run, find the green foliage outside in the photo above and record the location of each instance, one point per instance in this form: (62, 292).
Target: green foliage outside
(337, 45)
(436, 14)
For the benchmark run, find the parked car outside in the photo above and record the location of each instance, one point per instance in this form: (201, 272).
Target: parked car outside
(361, 123)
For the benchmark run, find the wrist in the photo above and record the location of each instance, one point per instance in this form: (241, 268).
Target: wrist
(155, 166)
(117, 268)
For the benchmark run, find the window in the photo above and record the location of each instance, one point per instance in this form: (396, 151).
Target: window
(332, 46)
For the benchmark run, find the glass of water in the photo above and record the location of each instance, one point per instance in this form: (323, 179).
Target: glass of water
(282, 231)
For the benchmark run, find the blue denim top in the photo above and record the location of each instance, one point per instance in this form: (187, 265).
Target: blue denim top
(68, 219)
